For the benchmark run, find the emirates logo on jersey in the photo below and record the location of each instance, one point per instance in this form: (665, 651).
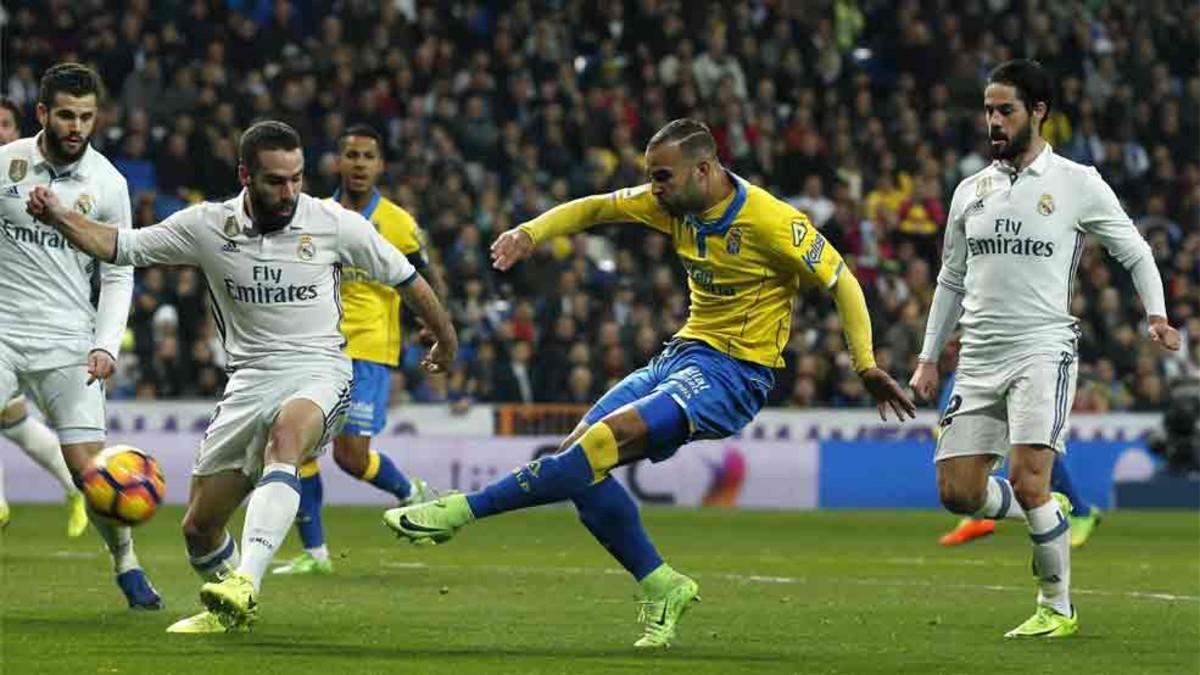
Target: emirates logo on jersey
(1045, 205)
(307, 249)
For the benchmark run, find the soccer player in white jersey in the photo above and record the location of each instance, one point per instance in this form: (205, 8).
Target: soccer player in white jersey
(273, 257)
(1013, 239)
(27, 433)
(53, 342)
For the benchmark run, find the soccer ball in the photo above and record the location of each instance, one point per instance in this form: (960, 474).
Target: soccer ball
(124, 484)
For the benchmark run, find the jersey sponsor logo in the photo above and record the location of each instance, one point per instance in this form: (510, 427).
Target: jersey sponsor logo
(37, 236)
(1045, 205)
(813, 255)
(85, 203)
(17, 169)
(267, 288)
(1007, 240)
(232, 228)
(306, 250)
(704, 280)
(733, 241)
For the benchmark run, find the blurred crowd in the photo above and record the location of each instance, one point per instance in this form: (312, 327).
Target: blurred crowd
(864, 114)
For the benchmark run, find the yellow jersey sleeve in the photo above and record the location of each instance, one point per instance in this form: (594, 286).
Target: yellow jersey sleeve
(633, 204)
(798, 246)
(401, 229)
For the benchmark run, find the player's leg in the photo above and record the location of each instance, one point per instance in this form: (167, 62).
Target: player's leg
(75, 410)
(973, 427)
(212, 551)
(1038, 404)
(1084, 517)
(38, 442)
(305, 420)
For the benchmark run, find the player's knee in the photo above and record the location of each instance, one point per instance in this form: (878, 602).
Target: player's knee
(199, 530)
(350, 459)
(286, 445)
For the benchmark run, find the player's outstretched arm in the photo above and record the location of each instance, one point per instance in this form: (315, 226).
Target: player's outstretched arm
(420, 297)
(856, 321)
(95, 239)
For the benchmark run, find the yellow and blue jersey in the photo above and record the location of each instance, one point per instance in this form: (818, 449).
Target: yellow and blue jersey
(371, 318)
(746, 258)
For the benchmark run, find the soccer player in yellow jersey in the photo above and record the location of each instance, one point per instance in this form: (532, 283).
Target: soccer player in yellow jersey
(371, 324)
(747, 254)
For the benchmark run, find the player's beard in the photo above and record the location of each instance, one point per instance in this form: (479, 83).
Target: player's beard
(268, 217)
(56, 149)
(1015, 146)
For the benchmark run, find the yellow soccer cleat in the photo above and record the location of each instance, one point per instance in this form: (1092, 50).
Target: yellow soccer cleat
(204, 623)
(5, 515)
(233, 600)
(77, 517)
(1047, 623)
(660, 615)
(1082, 527)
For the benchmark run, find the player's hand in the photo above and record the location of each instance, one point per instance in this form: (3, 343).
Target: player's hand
(510, 248)
(1161, 332)
(925, 381)
(439, 358)
(43, 205)
(887, 394)
(100, 365)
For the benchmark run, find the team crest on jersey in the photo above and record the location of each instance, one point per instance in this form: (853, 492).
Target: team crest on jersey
(307, 249)
(1045, 205)
(983, 186)
(733, 242)
(17, 169)
(232, 228)
(85, 203)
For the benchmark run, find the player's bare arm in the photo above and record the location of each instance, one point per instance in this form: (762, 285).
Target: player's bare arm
(420, 296)
(87, 235)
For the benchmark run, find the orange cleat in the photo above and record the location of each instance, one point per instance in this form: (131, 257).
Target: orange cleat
(967, 530)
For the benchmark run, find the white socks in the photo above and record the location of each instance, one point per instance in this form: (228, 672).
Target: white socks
(1051, 555)
(40, 443)
(1000, 502)
(119, 541)
(269, 516)
(319, 553)
(218, 563)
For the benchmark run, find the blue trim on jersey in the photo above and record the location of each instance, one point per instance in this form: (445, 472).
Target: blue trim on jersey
(369, 209)
(368, 399)
(707, 228)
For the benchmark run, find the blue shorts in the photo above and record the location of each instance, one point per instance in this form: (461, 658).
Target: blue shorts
(368, 399)
(718, 393)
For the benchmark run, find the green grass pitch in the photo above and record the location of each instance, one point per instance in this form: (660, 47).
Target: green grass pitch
(818, 592)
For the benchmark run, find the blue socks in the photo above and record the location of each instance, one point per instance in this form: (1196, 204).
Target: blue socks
(611, 515)
(542, 481)
(308, 518)
(1060, 481)
(383, 474)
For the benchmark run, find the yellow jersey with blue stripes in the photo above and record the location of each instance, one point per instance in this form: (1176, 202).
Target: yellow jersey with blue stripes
(746, 259)
(371, 311)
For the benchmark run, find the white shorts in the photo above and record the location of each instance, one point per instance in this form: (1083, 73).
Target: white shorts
(1025, 402)
(238, 431)
(73, 408)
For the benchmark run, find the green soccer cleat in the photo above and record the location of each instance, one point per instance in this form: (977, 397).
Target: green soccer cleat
(77, 517)
(1083, 527)
(418, 493)
(1064, 503)
(430, 523)
(1047, 623)
(233, 600)
(306, 564)
(204, 623)
(661, 614)
(5, 515)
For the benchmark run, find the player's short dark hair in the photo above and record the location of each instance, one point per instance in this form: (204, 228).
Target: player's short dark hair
(693, 137)
(74, 79)
(1032, 82)
(361, 131)
(265, 135)
(8, 104)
